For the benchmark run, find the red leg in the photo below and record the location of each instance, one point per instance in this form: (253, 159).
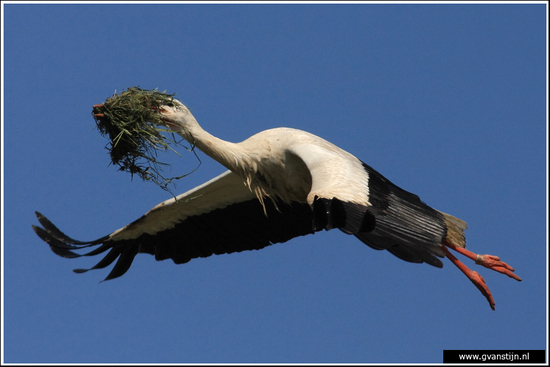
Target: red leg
(474, 277)
(488, 261)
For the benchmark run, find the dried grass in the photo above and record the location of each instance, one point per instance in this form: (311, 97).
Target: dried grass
(133, 123)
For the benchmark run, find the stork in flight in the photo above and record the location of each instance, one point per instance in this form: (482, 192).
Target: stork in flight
(280, 184)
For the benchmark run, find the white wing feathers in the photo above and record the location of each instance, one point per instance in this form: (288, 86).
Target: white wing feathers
(221, 191)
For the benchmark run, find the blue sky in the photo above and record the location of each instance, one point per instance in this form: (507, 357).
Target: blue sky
(447, 101)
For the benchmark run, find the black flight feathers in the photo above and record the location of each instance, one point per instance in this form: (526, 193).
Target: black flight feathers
(238, 227)
(405, 226)
(62, 245)
(397, 221)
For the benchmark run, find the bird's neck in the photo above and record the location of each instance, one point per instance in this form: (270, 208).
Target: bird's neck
(226, 153)
(234, 156)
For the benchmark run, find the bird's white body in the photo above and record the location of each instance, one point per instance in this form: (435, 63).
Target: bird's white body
(287, 164)
(282, 183)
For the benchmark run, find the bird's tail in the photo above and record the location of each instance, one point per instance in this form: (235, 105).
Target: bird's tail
(455, 230)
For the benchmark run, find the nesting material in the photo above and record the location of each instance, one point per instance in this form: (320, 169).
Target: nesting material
(133, 123)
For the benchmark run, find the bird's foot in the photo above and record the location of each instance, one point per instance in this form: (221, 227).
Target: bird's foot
(493, 262)
(479, 282)
(489, 261)
(474, 277)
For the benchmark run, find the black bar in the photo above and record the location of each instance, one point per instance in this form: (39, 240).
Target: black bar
(494, 356)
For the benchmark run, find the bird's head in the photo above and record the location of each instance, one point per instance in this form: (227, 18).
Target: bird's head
(177, 116)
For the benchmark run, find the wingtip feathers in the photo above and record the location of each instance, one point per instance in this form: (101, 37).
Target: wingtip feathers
(62, 245)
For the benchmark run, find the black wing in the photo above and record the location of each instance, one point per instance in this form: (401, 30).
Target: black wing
(404, 225)
(220, 217)
(223, 216)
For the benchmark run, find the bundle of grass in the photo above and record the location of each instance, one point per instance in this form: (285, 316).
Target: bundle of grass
(133, 123)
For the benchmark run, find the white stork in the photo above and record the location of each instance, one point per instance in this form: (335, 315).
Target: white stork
(282, 183)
